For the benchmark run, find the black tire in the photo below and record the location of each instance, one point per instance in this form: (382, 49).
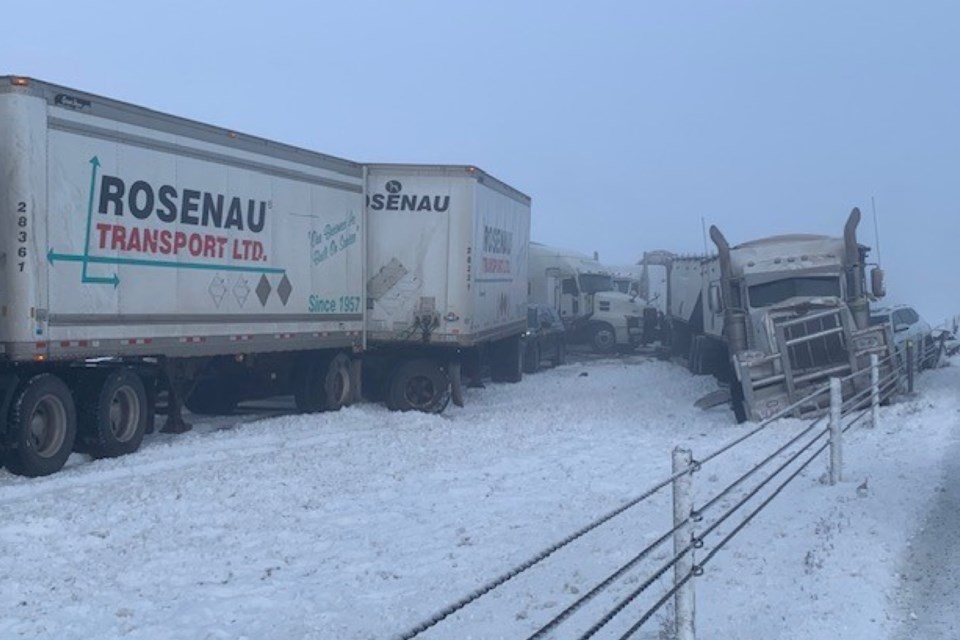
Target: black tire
(507, 364)
(213, 397)
(561, 357)
(324, 384)
(419, 385)
(603, 339)
(42, 428)
(693, 357)
(113, 414)
(531, 359)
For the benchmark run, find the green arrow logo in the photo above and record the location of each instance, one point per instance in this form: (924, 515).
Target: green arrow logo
(114, 279)
(53, 257)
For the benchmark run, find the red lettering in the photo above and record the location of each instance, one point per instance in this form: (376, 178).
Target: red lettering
(149, 240)
(133, 242)
(195, 244)
(103, 229)
(165, 238)
(117, 236)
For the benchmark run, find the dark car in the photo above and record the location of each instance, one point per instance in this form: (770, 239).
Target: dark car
(545, 338)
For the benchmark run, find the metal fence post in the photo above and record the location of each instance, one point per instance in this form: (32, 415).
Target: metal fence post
(684, 600)
(874, 390)
(910, 366)
(836, 450)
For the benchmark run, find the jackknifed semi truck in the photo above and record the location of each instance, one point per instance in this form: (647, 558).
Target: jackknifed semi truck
(776, 317)
(147, 256)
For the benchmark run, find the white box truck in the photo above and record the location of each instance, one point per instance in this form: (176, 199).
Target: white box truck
(144, 254)
(446, 281)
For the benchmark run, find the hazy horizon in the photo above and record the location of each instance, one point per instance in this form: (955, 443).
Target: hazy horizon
(627, 123)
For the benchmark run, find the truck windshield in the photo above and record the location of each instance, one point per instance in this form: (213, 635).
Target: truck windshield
(594, 282)
(770, 293)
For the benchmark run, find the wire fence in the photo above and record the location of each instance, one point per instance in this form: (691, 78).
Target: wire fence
(795, 455)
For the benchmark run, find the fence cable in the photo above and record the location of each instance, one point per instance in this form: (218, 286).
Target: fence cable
(659, 603)
(750, 494)
(763, 425)
(864, 394)
(695, 543)
(759, 508)
(773, 455)
(566, 613)
(620, 606)
(496, 582)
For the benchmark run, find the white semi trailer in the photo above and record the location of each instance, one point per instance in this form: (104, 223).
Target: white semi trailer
(446, 281)
(145, 254)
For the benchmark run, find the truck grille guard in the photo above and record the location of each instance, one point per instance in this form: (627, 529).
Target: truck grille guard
(810, 349)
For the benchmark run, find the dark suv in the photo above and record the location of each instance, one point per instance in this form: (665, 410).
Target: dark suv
(545, 338)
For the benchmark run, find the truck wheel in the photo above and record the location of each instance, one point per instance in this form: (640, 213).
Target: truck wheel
(507, 364)
(324, 385)
(603, 339)
(419, 385)
(531, 360)
(42, 427)
(693, 357)
(113, 415)
(212, 397)
(561, 354)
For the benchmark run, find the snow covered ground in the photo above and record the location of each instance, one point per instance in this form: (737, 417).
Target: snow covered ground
(363, 523)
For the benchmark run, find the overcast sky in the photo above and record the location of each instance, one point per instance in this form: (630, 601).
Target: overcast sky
(627, 122)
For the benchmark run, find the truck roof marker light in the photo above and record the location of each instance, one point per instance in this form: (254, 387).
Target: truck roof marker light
(19, 81)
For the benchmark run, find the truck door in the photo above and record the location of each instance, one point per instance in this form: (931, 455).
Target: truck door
(569, 299)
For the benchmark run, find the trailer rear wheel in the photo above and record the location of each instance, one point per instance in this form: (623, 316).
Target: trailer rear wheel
(507, 360)
(113, 414)
(324, 384)
(697, 355)
(531, 359)
(419, 385)
(42, 427)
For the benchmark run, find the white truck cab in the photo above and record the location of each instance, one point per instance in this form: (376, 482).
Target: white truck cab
(584, 293)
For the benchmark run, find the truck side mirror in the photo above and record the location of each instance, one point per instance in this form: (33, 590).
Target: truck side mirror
(714, 300)
(877, 285)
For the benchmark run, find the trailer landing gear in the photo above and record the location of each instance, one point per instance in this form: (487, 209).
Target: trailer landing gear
(179, 378)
